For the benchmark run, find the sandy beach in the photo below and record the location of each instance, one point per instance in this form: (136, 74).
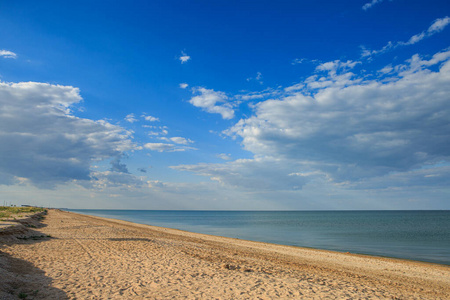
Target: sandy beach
(73, 256)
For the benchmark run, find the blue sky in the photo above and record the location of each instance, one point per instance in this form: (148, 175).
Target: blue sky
(225, 104)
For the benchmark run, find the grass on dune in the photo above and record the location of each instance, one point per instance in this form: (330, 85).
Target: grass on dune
(10, 211)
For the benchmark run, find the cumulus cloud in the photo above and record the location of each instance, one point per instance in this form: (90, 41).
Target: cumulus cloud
(180, 140)
(367, 128)
(344, 128)
(183, 85)
(42, 142)
(437, 26)
(338, 74)
(333, 66)
(212, 102)
(8, 54)
(184, 58)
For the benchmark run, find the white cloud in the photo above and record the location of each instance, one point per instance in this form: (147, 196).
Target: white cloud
(366, 128)
(130, 118)
(333, 66)
(295, 87)
(113, 179)
(212, 102)
(345, 129)
(160, 147)
(259, 174)
(8, 54)
(43, 142)
(298, 61)
(183, 85)
(184, 58)
(181, 140)
(437, 26)
(163, 147)
(257, 95)
(224, 156)
(150, 118)
(371, 4)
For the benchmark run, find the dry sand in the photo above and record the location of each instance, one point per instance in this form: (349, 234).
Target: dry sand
(89, 257)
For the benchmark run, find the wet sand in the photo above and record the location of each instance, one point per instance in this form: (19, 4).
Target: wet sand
(73, 256)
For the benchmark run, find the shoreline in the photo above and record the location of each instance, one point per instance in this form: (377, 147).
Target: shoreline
(206, 236)
(106, 257)
(354, 247)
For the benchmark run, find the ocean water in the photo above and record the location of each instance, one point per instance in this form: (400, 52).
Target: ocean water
(415, 235)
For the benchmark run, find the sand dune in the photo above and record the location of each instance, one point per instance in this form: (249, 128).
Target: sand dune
(89, 257)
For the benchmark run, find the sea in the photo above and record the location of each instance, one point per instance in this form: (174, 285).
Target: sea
(415, 235)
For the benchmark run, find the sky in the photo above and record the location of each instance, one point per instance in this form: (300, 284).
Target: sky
(225, 105)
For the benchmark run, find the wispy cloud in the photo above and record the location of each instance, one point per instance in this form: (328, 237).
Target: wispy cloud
(269, 92)
(298, 61)
(178, 140)
(164, 147)
(160, 147)
(263, 174)
(183, 85)
(437, 26)
(371, 4)
(130, 118)
(8, 54)
(150, 118)
(162, 130)
(224, 156)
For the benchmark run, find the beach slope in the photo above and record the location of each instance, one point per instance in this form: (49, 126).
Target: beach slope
(73, 256)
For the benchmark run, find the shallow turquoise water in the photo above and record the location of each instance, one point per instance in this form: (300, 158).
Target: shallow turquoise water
(416, 235)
